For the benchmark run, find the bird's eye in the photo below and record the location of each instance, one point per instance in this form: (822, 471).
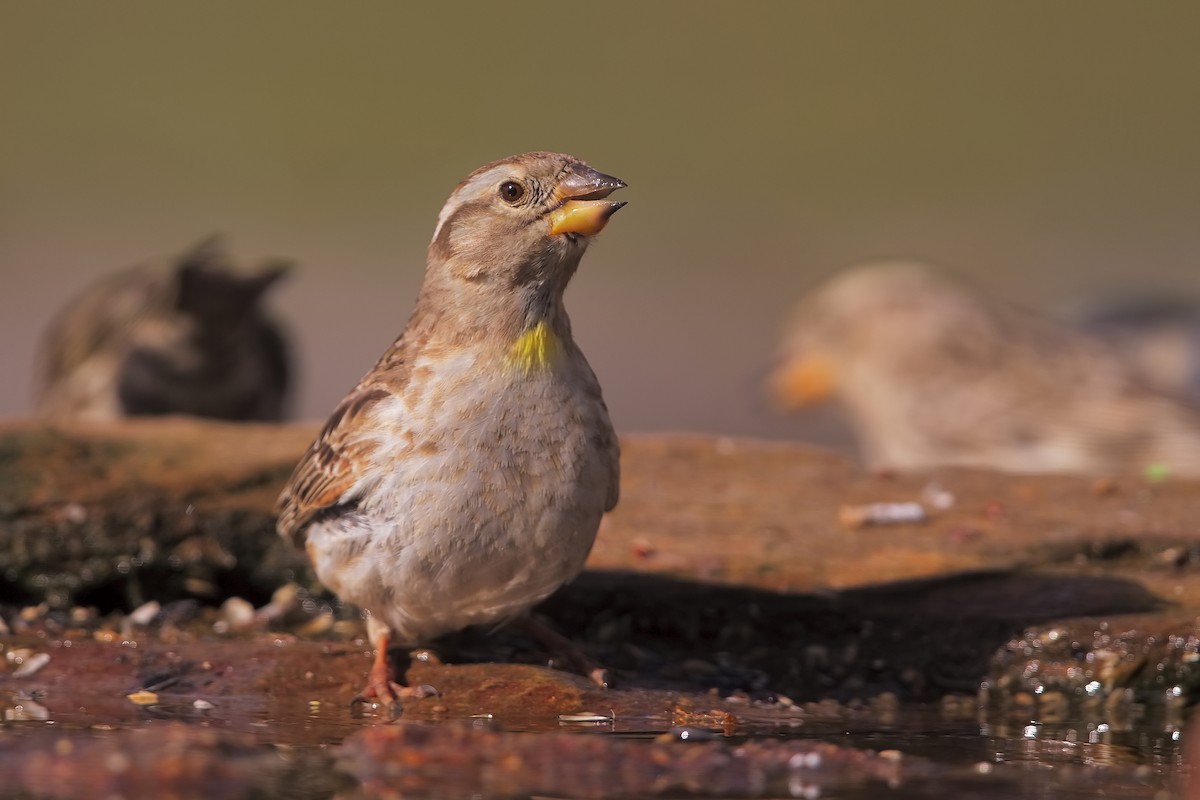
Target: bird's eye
(512, 191)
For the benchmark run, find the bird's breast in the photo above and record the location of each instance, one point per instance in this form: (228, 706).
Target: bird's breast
(528, 405)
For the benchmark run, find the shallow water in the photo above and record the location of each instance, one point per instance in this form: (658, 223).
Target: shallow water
(938, 753)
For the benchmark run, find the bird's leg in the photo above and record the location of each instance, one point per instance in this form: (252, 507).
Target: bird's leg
(381, 680)
(556, 643)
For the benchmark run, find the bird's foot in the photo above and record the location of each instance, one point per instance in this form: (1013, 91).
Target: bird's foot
(382, 687)
(389, 695)
(561, 645)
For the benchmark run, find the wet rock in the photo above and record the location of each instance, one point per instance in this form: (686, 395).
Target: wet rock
(1099, 670)
(117, 515)
(120, 514)
(752, 594)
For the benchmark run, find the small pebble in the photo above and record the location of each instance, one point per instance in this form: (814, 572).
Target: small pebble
(145, 613)
(642, 548)
(285, 600)
(238, 614)
(685, 733)
(74, 513)
(938, 498)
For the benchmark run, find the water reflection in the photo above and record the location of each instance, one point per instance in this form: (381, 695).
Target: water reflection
(918, 753)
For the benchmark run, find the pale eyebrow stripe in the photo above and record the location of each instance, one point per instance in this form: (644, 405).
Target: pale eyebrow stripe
(467, 191)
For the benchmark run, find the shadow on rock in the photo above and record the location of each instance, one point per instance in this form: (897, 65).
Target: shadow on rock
(917, 639)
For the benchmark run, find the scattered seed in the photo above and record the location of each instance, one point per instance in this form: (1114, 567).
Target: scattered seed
(322, 623)
(145, 613)
(881, 514)
(31, 665)
(143, 698)
(27, 711)
(938, 498)
(585, 718)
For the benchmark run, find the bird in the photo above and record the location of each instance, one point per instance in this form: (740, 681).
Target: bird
(183, 335)
(1158, 334)
(931, 372)
(464, 477)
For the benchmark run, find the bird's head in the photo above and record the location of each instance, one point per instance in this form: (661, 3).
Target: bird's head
(523, 221)
(215, 292)
(878, 327)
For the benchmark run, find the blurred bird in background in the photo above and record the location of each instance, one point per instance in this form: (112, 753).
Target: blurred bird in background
(1160, 336)
(188, 336)
(929, 372)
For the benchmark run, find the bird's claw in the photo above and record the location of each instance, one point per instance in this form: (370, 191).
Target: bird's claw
(389, 694)
(598, 676)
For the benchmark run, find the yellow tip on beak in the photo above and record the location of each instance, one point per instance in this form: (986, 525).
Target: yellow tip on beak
(802, 382)
(585, 217)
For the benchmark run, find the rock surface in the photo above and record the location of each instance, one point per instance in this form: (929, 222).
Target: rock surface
(740, 588)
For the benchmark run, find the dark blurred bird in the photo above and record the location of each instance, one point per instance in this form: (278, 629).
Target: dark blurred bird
(930, 372)
(184, 337)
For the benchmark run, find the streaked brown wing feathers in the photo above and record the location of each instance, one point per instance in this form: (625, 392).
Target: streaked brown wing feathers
(330, 466)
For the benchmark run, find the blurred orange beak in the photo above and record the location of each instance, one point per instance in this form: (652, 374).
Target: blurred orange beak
(802, 382)
(584, 210)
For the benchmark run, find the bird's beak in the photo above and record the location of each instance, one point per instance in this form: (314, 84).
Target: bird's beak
(583, 209)
(802, 382)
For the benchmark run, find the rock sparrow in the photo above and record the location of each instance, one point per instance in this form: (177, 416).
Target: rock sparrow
(185, 337)
(930, 372)
(1160, 336)
(464, 477)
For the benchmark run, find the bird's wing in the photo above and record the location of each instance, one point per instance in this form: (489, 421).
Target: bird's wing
(102, 317)
(333, 464)
(613, 447)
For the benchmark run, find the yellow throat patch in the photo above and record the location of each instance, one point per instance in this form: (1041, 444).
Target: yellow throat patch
(535, 349)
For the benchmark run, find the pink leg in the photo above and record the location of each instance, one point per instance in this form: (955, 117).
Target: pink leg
(555, 642)
(381, 680)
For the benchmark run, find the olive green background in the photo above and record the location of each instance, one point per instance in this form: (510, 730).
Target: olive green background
(1049, 150)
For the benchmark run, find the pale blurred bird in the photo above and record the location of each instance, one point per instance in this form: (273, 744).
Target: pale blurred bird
(463, 479)
(929, 372)
(1159, 336)
(188, 336)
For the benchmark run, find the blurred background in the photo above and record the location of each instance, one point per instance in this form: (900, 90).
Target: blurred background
(1048, 151)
